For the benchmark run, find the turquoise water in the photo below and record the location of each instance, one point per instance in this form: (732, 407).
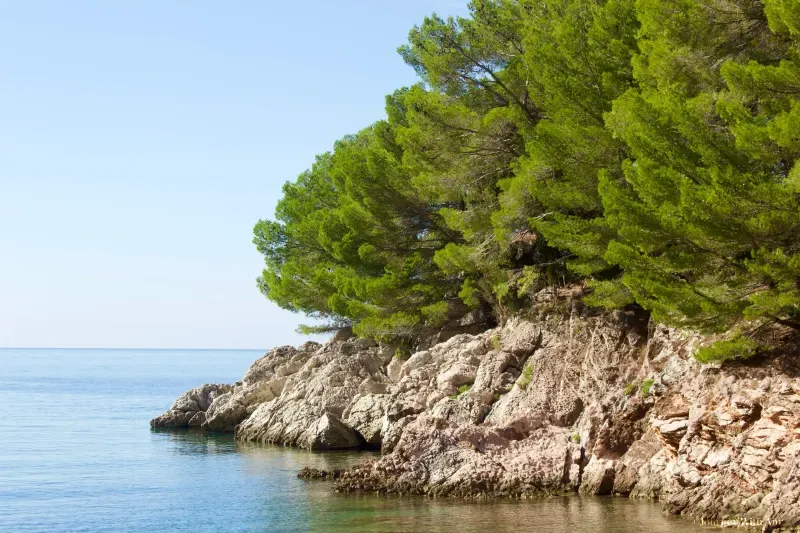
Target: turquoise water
(77, 455)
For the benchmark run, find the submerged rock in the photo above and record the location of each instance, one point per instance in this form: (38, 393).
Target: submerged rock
(315, 473)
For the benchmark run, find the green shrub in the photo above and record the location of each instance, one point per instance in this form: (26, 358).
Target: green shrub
(402, 353)
(525, 377)
(496, 345)
(646, 386)
(629, 388)
(576, 438)
(461, 390)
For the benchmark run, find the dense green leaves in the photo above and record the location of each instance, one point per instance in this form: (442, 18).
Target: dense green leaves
(646, 148)
(707, 215)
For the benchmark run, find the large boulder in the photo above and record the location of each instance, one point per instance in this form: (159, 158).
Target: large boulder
(228, 410)
(218, 407)
(329, 433)
(366, 414)
(190, 407)
(326, 384)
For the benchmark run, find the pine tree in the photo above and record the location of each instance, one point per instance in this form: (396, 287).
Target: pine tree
(707, 213)
(353, 243)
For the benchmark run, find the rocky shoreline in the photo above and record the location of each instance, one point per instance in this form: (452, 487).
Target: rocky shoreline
(570, 401)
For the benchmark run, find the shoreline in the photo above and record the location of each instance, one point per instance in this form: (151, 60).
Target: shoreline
(582, 402)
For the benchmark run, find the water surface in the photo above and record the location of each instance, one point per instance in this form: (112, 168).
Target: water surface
(77, 455)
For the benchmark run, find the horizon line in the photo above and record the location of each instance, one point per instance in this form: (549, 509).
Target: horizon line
(111, 348)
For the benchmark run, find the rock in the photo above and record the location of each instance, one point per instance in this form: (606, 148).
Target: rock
(370, 386)
(394, 368)
(782, 505)
(328, 382)
(470, 462)
(329, 433)
(628, 470)
(228, 410)
(173, 418)
(279, 362)
(598, 477)
(315, 473)
(414, 362)
(225, 413)
(184, 411)
(366, 415)
(457, 375)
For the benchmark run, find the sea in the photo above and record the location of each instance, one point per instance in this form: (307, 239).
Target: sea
(77, 455)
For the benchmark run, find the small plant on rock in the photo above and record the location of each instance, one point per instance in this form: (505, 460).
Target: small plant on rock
(461, 390)
(526, 376)
(647, 385)
(496, 345)
(402, 353)
(629, 388)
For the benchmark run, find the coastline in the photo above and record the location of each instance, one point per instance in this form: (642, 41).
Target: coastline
(568, 401)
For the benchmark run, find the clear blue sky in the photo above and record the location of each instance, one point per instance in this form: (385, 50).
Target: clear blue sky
(140, 142)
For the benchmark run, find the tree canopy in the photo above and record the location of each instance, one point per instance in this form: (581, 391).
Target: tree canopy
(645, 148)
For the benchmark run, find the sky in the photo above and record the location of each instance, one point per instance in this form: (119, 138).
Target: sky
(141, 141)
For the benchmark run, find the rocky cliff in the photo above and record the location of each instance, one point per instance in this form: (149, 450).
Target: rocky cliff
(569, 400)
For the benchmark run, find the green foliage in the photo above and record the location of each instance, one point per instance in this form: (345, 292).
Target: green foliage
(461, 390)
(738, 347)
(647, 386)
(304, 329)
(496, 344)
(402, 353)
(576, 438)
(525, 377)
(647, 149)
(706, 213)
(629, 389)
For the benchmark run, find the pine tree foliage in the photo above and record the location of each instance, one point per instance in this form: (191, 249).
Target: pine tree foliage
(646, 148)
(707, 215)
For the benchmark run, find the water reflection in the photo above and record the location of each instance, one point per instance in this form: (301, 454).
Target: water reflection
(276, 501)
(197, 442)
(567, 514)
(194, 441)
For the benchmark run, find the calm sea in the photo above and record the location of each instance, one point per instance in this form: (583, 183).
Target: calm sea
(77, 455)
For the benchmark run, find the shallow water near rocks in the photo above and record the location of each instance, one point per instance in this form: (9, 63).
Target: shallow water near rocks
(77, 455)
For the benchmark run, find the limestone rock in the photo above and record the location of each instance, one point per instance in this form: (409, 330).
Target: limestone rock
(598, 477)
(366, 415)
(325, 385)
(329, 433)
(189, 404)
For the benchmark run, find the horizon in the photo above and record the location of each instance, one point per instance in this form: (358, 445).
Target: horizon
(97, 348)
(142, 143)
